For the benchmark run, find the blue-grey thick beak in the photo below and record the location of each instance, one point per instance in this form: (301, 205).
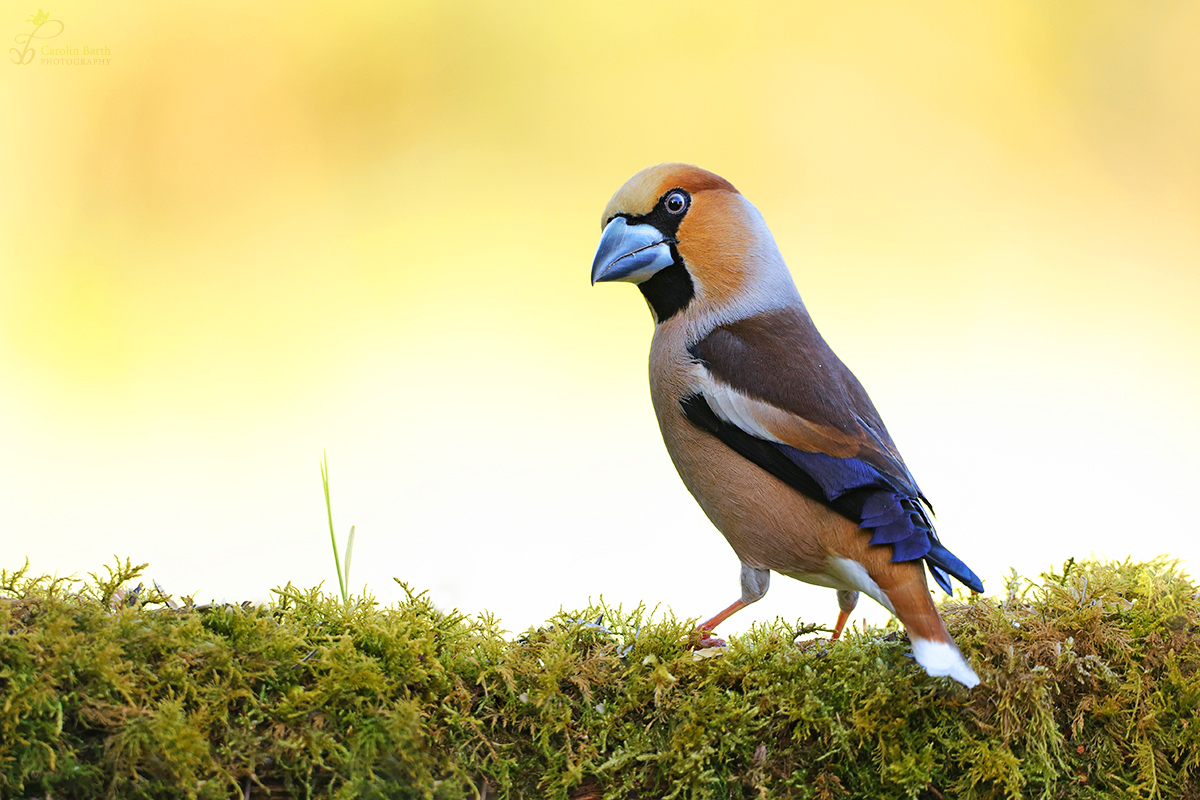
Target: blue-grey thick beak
(630, 252)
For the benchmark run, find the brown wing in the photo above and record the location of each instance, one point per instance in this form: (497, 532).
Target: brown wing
(780, 358)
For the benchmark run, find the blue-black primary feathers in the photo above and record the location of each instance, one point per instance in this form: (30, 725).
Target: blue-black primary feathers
(849, 486)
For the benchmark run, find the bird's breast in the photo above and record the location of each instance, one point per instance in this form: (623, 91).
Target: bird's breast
(768, 524)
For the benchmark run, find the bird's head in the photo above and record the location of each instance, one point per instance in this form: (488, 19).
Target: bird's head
(689, 240)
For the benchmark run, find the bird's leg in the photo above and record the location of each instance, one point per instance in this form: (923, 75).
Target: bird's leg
(710, 625)
(754, 585)
(847, 600)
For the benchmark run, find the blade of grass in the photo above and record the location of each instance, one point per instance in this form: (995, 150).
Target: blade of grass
(349, 553)
(332, 535)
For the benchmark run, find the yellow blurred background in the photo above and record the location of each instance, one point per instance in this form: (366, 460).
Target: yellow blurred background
(261, 232)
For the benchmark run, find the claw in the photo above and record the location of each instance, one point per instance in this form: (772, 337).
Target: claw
(709, 626)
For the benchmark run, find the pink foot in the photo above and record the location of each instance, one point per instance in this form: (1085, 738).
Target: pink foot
(706, 640)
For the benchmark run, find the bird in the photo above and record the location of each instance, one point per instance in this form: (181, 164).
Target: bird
(771, 433)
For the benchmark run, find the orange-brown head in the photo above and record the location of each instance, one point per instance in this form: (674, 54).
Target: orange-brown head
(690, 240)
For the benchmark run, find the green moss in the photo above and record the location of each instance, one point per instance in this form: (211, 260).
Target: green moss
(1091, 688)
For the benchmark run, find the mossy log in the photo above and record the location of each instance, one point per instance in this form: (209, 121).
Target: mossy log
(1091, 689)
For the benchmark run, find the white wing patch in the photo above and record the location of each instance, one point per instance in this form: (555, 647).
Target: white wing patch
(737, 409)
(766, 421)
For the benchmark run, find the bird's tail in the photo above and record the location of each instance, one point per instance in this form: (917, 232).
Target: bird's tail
(932, 646)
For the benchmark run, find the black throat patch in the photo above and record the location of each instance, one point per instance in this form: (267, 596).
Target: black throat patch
(670, 289)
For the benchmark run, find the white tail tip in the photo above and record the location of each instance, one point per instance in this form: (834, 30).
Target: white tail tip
(943, 658)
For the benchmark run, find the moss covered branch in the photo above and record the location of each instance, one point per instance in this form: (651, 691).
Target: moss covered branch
(1091, 688)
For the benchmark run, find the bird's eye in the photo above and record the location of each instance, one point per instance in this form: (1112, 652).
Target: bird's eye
(676, 202)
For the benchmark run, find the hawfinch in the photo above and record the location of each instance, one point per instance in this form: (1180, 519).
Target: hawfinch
(770, 432)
